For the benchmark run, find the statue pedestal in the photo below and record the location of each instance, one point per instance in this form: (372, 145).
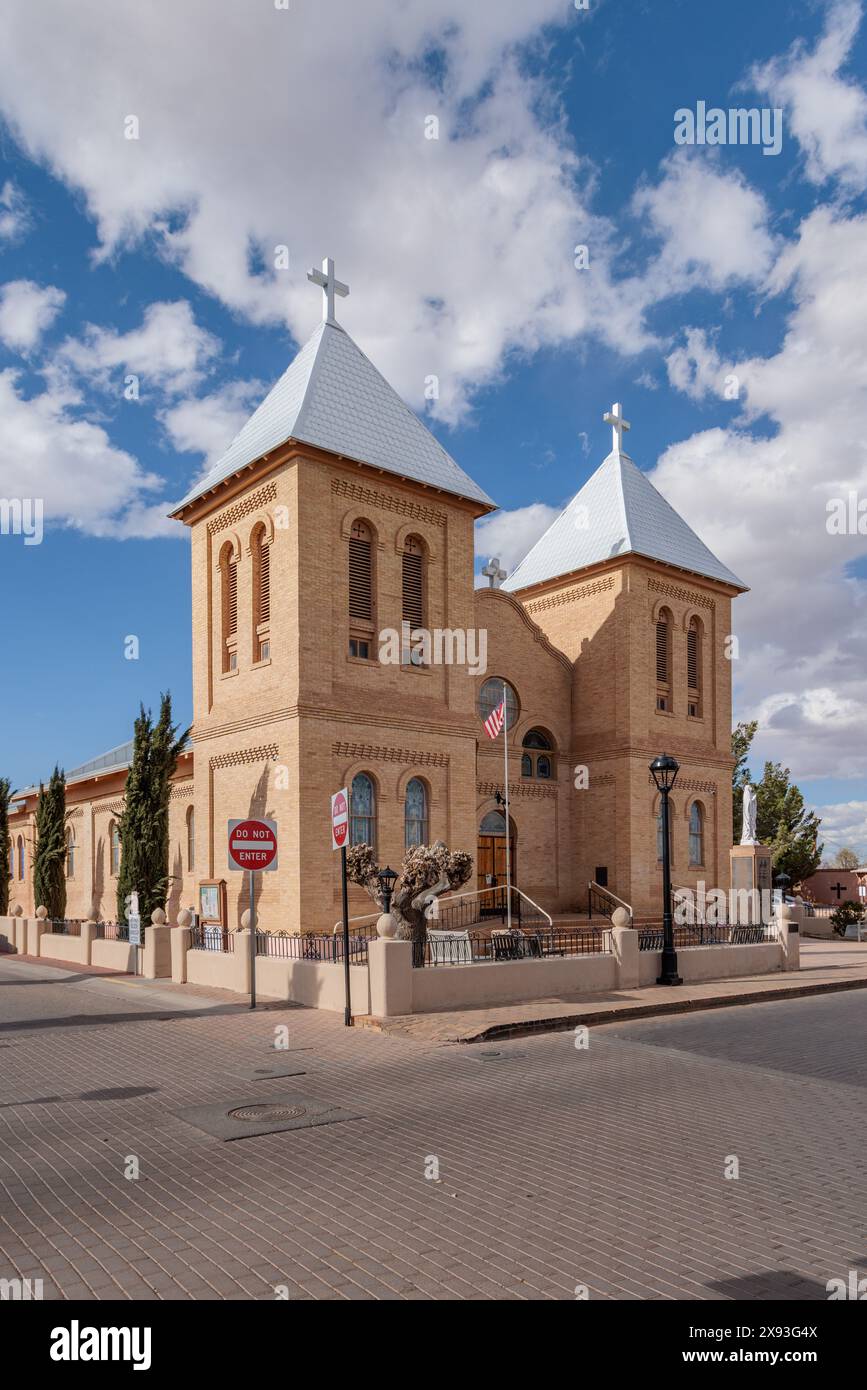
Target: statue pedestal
(751, 880)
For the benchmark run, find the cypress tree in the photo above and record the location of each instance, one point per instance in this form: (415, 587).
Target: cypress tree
(144, 822)
(5, 844)
(49, 859)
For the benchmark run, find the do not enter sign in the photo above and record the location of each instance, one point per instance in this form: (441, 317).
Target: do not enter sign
(252, 844)
(339, 819)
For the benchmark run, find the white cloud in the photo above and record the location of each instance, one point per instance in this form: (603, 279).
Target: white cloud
(713, 226)
(83, 480)
(509, 535)
(844, 826)
(14, 212)
(827, 112)
(207, 425)
(169, 351)
(26, 311)
(761, 502)
(261, 127)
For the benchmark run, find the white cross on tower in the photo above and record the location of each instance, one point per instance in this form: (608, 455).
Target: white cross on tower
(618, 424)
(330, 287)
(494, 574)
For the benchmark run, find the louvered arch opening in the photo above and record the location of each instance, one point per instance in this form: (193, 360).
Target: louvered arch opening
(228, 607)
(662, 630)
(361, 573)
(693, 656)
(413, 583)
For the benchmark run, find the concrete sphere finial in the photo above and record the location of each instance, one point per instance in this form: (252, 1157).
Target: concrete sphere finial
(245, 919)
(185, 917)
(158, 917)
(18, 910)
(42, 913)
(620, 918)
(386, 926)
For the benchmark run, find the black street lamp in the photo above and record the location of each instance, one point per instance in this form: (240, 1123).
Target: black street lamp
(664, 770)
(386, 878)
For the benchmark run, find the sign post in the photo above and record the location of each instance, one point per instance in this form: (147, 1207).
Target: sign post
(133, 925)
(339, 840)
(253, 846)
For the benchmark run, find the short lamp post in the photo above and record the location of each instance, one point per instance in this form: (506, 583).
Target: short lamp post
(664, 770)
(387, 878)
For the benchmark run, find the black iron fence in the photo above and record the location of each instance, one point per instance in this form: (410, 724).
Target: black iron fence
(111, 931)
(489, 908)
(310, 946)
(472, 948)
(211, 939)
(700, 934)
(65, 926)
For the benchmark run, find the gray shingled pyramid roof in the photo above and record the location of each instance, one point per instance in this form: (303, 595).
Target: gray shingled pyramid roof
(617, 512)
(333, 397)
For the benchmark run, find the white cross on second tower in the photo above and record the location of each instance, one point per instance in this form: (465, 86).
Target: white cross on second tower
(331, 286)
(618, 424)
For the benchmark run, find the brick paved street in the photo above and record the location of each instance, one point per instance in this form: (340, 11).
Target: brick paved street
(558, 1166)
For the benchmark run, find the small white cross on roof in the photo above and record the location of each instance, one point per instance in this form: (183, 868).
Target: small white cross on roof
(493, 573)
(618, 424)
(330, 287)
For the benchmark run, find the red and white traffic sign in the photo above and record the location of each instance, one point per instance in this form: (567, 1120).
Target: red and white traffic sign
(340, 819)
(252, 844)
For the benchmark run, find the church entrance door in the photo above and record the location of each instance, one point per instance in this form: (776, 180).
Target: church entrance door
(491, 864)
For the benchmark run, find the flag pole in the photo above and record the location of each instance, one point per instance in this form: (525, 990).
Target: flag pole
(508, 823)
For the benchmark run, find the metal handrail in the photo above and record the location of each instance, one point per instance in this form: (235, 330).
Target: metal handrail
(446, 901)
(593, 886)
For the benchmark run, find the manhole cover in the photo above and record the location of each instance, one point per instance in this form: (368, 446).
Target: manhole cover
(269, 1114)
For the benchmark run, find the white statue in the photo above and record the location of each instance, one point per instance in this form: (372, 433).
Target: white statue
(748, 833)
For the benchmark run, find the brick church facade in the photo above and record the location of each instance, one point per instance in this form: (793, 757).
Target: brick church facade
(335, 516)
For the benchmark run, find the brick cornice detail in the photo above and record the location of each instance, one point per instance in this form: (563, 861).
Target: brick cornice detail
(372, 497)
(532, 790)
(268, 752)
(245, 507)
(181, 789)
(685, 595)
(573, 595)
(369, 752)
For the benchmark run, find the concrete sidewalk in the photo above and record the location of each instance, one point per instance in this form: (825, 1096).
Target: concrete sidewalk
(826, 966)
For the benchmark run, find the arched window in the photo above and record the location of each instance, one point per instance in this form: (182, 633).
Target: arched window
(11, 857)
(693, 665)
(114, 848)
(494, 823)
(191, 839)
(229, 608)
(21, 858)
(415, 814)
(490, 696)
(413, 610)
(696, 834)
(361, 606)
(260, 549)
(537, 762)
(663, 660)
(670, 832)
(70, 853)
(362, 811)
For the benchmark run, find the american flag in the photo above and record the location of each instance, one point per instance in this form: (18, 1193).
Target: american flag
(495, 720)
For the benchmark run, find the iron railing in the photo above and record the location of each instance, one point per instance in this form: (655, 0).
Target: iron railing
(473, 948)
(204, 938)
(65, 926)
(601, 903)
(111, 931)
(311, 946)
(723, 934)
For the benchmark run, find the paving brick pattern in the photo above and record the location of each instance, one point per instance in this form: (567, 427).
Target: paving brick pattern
(557, 1166)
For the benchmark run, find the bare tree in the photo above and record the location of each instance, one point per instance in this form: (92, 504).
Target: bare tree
(427, 872)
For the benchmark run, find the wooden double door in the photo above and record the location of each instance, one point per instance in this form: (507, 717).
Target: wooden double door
(491, 865)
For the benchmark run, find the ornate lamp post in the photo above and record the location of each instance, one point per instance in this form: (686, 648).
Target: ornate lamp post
(386, 879)
(664, 770)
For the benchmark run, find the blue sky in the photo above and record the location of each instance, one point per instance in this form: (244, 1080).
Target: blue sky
(556, 130)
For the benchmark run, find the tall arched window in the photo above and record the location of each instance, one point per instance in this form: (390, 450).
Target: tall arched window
(114, 848)
(361, 605)
(362, 811)
(229, 607)
(70, 853)
(490, 696)
(415, 814)
(670, 832)
(413, 609)
(21, 858)
(260, 549)
(11, 857)
(536, 761)
(663, 660)
(693, 665)
(191, 839)
(696, 834)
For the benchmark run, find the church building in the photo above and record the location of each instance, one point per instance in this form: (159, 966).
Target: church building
(335, 518)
